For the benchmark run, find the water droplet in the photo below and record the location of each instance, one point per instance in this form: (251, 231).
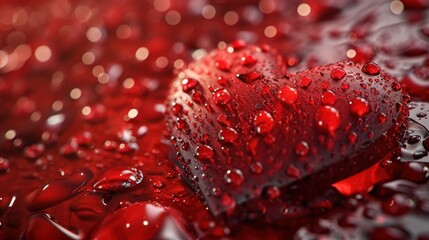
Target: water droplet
(302, 148)
(338, 74)
(221, 97)
(158, 184)
(263, 122)
(328, 97)
(249, 60)
(188, 84)
(250, 77)
(222, 65)
(371, 68)
(57, 191)
(234, 177)
(381, 118)
(359, 106)
(119, 179)
(287, 95)
(180, 123)
(305, 82)
(204, 152)
(396, 86)
(227, 135)
(256, 168)
(327, 118)
(177, 108)
(272, 192)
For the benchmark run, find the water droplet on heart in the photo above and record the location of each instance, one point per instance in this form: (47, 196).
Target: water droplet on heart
(305, 82)
(381, 118)
(222, 65)
(119, 179)
(256, 168)
(234, 177)
(180, 123)
(327, 118)
(352, 137)
(177, 108)
(204, 152)
(287, 95)
(359, 106)
(188, 84)
(4, 165)
(227, 135)
(302, 148)
(338, 74)
(396, 86)
(371, 68)
(263, 122)
(328, 97)
(249, 77)
(249, 60)
(413, 139)
(221, 97)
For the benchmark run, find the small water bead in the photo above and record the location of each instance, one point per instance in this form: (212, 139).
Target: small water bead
(359, 106)
(371, 68)
(221, 97)
(177, 108)
(234, 177)
(223, 65)
(338, 74)
(287, 95)
(263, 122)
(227, 135)
(222, 80)
(305, 82)
(302, 148)
(381, 118)
(180, 123)
(398, 205)
(188, 84)
(249, 77)
(413, 139)
(119, 179)
(327, 118)
(256, 168)
(204, 152)
(328, 97)
(396, 86)
(249, 60)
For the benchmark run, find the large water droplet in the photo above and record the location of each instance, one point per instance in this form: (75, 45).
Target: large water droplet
(287, 95)
(359, 106)
(221, 97)
(120, 179)
(327, 118)
(234, 177)
(263, 122)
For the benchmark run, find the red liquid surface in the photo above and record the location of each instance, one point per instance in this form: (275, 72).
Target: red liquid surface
(84, 151)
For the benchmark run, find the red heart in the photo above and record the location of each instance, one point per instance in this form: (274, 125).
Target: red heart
(247, 132)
